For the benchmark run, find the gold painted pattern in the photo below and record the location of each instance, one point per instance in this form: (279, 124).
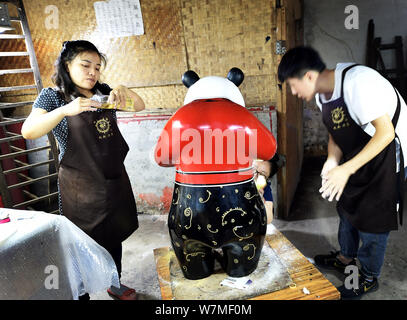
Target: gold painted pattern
(201, 200)
(248, 196)
(229, 211)
(209, 226)
(188, 213)
(176, 191)
(194, 254)
(241, 237)
(247, 247)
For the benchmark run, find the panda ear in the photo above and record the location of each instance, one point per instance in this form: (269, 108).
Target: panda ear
(189, 78)
(236, 76)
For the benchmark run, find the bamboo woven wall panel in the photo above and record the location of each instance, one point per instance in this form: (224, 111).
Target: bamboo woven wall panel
(221, 34)
(259, 90)
(155, 58)
(208, 36)
(164, 97)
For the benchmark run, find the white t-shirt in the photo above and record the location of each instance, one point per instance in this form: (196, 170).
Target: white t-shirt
(368, 96)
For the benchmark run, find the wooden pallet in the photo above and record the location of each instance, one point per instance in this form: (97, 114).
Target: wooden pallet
(302, 272)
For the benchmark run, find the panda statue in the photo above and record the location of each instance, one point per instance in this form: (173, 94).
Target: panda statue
(216, 211)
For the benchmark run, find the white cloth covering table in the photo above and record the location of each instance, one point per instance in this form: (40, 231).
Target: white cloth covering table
(46, 257)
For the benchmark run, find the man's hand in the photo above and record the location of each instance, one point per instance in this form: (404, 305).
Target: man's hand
(334, 179)
(334, 182)
(328, 166)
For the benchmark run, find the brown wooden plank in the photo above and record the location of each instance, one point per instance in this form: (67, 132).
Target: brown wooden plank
(163, 270)
(301, 271)
(290, 114)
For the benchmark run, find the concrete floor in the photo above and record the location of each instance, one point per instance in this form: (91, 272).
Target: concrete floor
(312, 229)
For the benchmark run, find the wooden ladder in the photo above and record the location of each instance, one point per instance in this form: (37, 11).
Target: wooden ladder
(398, 75)
(19, 190)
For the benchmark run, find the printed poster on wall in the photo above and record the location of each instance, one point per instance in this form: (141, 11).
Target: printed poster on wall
(119, 18)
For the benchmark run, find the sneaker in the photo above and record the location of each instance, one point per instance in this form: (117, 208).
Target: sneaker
(365, 286)
(331, 262)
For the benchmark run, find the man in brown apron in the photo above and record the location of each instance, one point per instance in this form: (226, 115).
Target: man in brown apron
(360, 172)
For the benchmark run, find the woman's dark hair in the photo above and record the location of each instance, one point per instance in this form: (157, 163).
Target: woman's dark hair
(298, 61)
(61, 78)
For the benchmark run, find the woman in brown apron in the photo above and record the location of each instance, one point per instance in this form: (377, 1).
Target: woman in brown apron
(94, 188)
(360, 172)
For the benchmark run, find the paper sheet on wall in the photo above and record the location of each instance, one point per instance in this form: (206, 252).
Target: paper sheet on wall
(119, 18)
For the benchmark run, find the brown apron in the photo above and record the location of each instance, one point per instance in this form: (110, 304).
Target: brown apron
(369, 200)
(94, 187)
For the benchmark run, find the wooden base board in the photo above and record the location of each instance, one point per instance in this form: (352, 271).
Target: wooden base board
(308, 282)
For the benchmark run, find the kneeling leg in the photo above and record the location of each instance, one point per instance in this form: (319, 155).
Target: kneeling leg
(240, 258)
(195, 258)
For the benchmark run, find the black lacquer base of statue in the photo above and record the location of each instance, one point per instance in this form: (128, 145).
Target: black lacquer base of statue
(227, 223)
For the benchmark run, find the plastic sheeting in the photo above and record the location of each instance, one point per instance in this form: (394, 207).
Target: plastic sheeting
(45, 256)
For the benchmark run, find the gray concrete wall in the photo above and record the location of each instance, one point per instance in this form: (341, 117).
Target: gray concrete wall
(324, 29)
(152, 185)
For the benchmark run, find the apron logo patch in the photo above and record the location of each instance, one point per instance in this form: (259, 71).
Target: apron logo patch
(103, 127)
(339, 118)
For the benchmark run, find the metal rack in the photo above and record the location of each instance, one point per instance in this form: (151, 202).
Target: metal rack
(14, 166)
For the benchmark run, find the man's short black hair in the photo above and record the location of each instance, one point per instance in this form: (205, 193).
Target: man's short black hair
(298, 61)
